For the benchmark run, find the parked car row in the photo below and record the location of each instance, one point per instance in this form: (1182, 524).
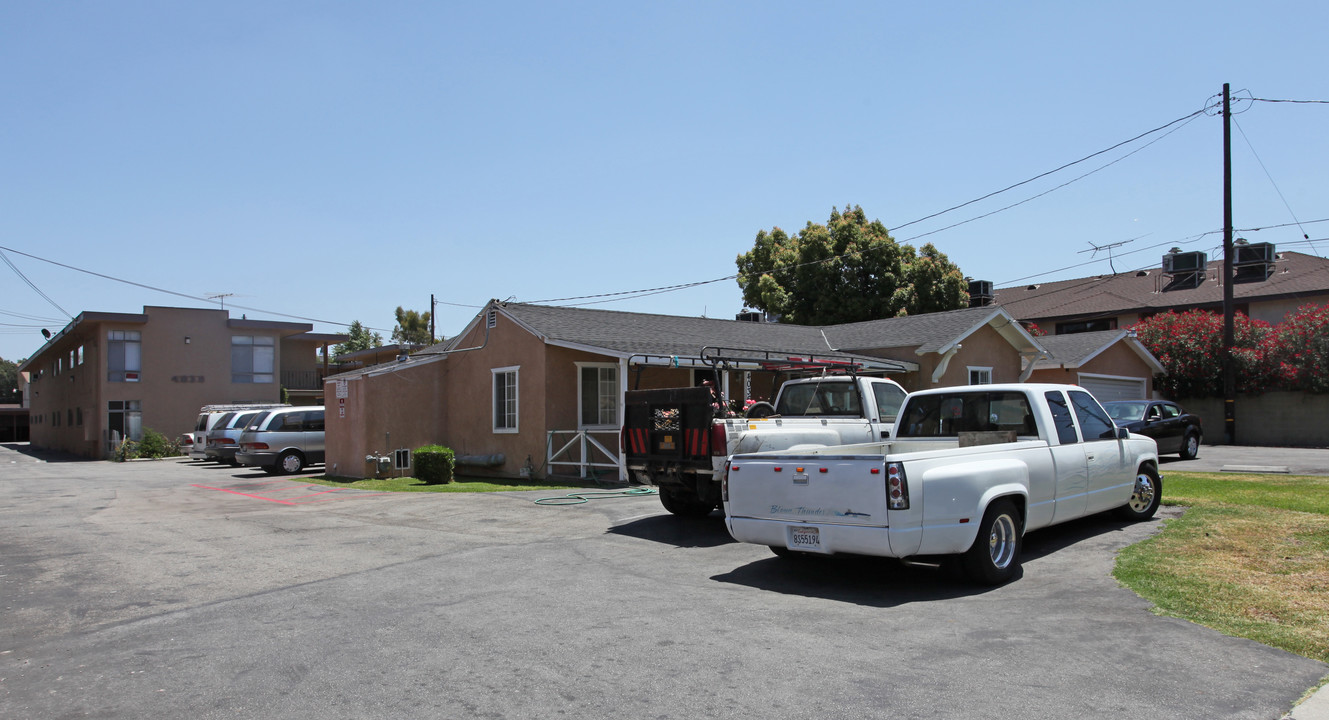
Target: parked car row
(279, 439)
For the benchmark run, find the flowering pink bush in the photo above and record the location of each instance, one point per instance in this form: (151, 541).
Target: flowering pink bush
(1294, 355)
(1190, 347)
(1298, 350)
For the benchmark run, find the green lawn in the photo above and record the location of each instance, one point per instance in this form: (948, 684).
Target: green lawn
(1250, 558)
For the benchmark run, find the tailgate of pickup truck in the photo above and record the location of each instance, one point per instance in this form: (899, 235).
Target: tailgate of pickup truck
(830, 489)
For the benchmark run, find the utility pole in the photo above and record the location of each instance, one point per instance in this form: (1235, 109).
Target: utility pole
(433, 308)
(1229, 366)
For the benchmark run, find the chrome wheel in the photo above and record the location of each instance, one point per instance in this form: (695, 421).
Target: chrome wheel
(1143, 496)
(291, 463)
(1002, 541)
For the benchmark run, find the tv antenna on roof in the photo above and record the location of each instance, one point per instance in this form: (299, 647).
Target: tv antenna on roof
(1095, 249)
(220, 298)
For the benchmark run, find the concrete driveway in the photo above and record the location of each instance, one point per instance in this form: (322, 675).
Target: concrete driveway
(171, 589)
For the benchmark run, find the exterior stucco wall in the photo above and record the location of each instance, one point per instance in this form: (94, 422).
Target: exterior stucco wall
(1275, 419)
(384, 412)
(470, 389)
(176, 376)
(72, 390)
(1276, 311)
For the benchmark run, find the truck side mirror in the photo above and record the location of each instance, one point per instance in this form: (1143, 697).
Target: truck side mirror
(1123, 433)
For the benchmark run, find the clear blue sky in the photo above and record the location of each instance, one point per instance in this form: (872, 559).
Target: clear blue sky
(336, 160)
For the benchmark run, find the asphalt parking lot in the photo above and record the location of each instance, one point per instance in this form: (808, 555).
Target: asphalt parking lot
(174, 589)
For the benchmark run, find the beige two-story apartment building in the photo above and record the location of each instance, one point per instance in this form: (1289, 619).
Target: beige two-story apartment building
(110, 375)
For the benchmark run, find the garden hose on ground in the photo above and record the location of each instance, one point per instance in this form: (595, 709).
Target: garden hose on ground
(578, 498)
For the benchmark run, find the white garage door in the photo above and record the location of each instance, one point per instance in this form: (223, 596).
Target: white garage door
(1107, 389)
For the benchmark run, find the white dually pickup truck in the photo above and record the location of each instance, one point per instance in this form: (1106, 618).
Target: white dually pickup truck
(966, 472)
(673, 438)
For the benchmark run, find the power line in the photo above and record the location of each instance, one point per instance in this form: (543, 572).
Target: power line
(1052, 189)
(168, 292)
(22, 316)
(1050, 172)
(1298, 102)
(635, 294)
(35, 289)
(1271, 181)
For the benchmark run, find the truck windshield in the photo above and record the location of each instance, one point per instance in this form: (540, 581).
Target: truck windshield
(824, 398)
(949, 414)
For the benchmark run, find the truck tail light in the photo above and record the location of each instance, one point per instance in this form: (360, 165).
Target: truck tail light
(623, 440)
(897, 487)
(724, 483)
(719, 440)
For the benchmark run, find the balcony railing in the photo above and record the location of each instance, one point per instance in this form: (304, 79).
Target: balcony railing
(302, 379)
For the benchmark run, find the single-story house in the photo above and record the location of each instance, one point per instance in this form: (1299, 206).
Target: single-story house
(538, 390)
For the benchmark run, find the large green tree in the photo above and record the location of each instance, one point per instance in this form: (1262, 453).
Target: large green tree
(9, 381)
(412, 327)
(847, 270)
(360, 338)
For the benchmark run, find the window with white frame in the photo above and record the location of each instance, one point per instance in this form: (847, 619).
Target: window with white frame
(597, 395)
(980, 376)
(252, 358)
(124, 355)
(505, 399)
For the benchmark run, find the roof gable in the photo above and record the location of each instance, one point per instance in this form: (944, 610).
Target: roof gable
(1077, 349)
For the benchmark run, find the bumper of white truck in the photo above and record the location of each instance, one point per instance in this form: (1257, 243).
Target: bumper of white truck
(826, 538)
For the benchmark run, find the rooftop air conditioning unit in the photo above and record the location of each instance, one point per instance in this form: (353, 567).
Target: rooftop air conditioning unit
(1254, 254)
(980, 293)
(1184, 262)
(748, 316)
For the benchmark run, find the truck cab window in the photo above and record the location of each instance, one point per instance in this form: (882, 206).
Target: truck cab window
(948, 415)
(889, 397)
(831, 398)
(1094, 422)
(1061, 417)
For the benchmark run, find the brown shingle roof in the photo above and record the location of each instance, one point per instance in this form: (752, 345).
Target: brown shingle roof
(1294, 275)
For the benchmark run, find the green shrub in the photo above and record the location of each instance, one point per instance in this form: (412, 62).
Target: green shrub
(155, 445)
(126, 450)
(434, 464)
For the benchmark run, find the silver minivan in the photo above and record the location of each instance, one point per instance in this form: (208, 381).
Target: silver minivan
(283, 441)
(224, 438)
(208, 418)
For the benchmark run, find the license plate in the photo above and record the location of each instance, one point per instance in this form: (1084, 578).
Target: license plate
(805, 538)
(667, 442)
